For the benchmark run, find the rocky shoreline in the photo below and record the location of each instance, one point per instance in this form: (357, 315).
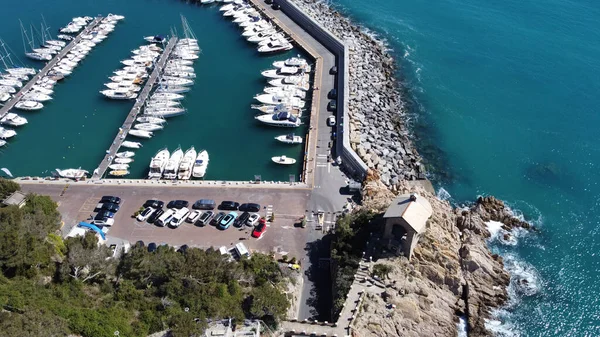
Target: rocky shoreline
(378, 132)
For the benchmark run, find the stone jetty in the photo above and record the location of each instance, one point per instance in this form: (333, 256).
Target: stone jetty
(378, 132)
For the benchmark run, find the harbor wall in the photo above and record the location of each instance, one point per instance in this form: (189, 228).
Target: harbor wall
(351, 162)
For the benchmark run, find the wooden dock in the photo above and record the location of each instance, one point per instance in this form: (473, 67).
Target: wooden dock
(17, 97)
(137, 107)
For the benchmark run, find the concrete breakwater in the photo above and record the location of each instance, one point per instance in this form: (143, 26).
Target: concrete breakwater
(378, 132)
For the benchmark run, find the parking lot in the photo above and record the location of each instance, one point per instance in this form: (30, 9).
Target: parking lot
(77, 203)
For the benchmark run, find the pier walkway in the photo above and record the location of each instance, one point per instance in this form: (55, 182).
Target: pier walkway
(17, 97)
(137, 107)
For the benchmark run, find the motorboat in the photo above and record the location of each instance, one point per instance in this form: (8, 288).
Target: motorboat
(286, 90)
(158, 163)
(115, 17)
(17, 77)
(164, 112)
(65, 37)
(37, 88)
(156, 104)
(134, 69)
(200, 165)
(300, 82)
(72, 173)
(7, 89)
(254, 20)
(13, 119)
(257, 28)
(37, 97)
(175, 81)
(178, 62)
(115, 94)
(67, 62)
(186, 165)
(140, 133)
(156, 39)
(172, 89)
(131, 79)
(282, 72)
(283, 160)
(118, 166)
(292, 62)
(29, 105)
(252, 15)
(172, 166)
(44, 51)
(123, 160)
(177, 68)
(206, 2)
(231, 6)
(289, 139)
(137, 63)
(185, 56)
(273, 109)
(166, 96)
(131, 145)
(265, 35)
(123, 86)
(4, 96)
(281, 98)
(281, 119)
(180, 74)
(138, 73)
(21, 71)
(236, 9)
(126, 154)
(148, 127)
(11, 83)
(118, 173)
(275, 46)
(7, 133)
(2, 143)
(151, 119)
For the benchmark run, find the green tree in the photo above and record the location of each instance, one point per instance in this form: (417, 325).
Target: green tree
(268, 303)
(8, 187)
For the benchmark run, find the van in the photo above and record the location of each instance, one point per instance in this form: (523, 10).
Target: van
(241, 250)
(179, 217)
(207, 204)
(165, 218)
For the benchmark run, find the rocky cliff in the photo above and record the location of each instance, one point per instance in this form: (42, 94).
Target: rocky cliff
(452, 272)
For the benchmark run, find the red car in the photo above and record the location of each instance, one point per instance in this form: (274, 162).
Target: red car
(260, 228)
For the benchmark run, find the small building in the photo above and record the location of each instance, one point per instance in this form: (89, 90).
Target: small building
(17, 199)
(405, 221)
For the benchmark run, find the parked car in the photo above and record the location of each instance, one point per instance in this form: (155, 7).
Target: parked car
(108, 206)
(183, 249)
(104, 214)
(253, 219)
(152, 247)
(332, 106)
(239, 222)
(217, 219)
(104, 222)
(110, 199)
(331, 121)
(154, 203)
(145, 214)
(332, 94)
(205, 217)
(275, 6)
(156, 215)
(140, 243)
(229, 205)
(193, 217)
(164, 219)
(207, 204)
(250, 207)
(228, 220)
(177, 204)
(260, 229)
(179, 217)
(333, 70)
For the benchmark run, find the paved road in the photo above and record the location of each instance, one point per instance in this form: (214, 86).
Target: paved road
(17, 97)
(137, 107)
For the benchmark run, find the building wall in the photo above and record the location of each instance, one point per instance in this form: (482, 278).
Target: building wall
(350, 160)
(412, 238)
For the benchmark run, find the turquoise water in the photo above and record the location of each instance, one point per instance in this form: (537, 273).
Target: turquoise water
(78, 126)
(505, 96)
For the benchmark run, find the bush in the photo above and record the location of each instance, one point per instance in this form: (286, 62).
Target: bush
(8, 187)
(382, 270)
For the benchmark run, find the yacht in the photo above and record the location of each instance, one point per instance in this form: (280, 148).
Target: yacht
(37, 88)
(265, 35)
(206, 2)
(148, 127)
(166, 96)
(130, 78)
(283, 160)
(281, 119)
(300, 82)
(21, 71)
(126, 154)
(131, 69)
(115, 17)
(254, 20)
(275, 46)
(231, 6)
(158, 163)
(156, 39)
(138, 73)
(11, 83)
(177, 68)
(72, 173)
(273, 109)
(15, 77)
(172, 89)
(29, 105)
(282, 72)
(289, 139)
(137, 63)
(286, 90)
(281, 98)
(131, 145)
(115, 94)
(200, 165)
(257, 28)
(2, 143)
(118, 173)
(180, 74)
(4, 96)
(175, 81)
(177, 62)
(118, 166)
(156, 104)
(38, 97)
(164, 112)
(185, 56)
(65, 37)
(123, 160)
(140, 133)
(150, 119)
(236, 9)
(123, 86)
(7, 133)
(186, 165)
(251, 16)
(172, 166)
(7, 89)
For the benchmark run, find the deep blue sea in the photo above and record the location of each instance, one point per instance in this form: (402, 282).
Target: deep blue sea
(505, 96)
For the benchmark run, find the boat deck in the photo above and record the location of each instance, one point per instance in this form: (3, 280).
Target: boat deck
(17, 97)
(137, 107)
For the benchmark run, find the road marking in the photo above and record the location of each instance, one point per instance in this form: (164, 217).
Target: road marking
(322, 155)
(269, 212)
(328, 167)
(321, 165)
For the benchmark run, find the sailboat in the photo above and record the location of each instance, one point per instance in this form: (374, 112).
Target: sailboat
(72, 173)
(9, 65)
(200, 165)
(158, 163)
(186, 165)
(38, 55)
(170, 171)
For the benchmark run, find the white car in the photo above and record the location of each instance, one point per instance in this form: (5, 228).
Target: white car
(105, 222)
(179, 217)
(145, 214)
(193, 216)
(253, 219)
(331, 121)
(164, 219)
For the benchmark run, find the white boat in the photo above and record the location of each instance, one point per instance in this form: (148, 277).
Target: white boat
(186, 165)
(150, 119)
(4, 96)
(157, 104)
(7, 133)
(172, 89)
(118, 166)
(300, 82)
(282, 72)
(175, 81)
(281, 119)
(273, 109)
(37, 88)
(180, 74)
(21, 71)
(138, 73)
(281, 98)
(265, 35)
(29, 105)
(135, 69)
(200, 165)
(275, 46)
(247, 18)
(123, 160)
(186, 56)
(115, 17)
(114, 94)
(72, 173)
(178, 68)
(118, 173)
(44, 51)
(206, 2)
(13, 119)
(136, 63)
(156, 39)
(254, 20)
(257, 28)
(167, 96)
(38, 97)
(283, 160)
(148, 127)
(289, 139)
(172, 166)
(131, 145)
(286, 90)
(126, 154)
(15, 77)
(67, 62)
(2, 143)
(158, 163)
(164, 112)
(123, 86)
(7, 89)
(178, 62)
(11, 83)
(140, 133)
(131, 79)
(231, 6)
(65, 37)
